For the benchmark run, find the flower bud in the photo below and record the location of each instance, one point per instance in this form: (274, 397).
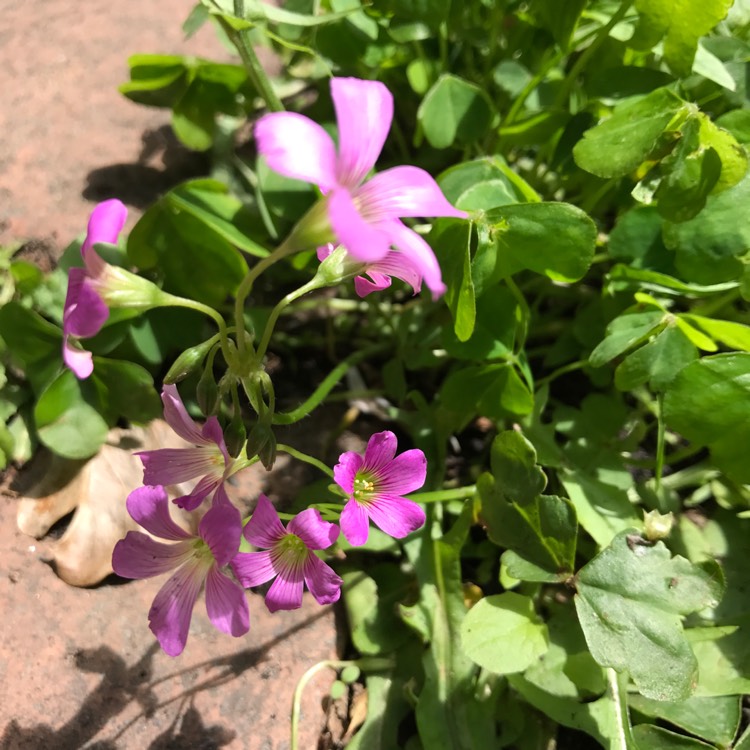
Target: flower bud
(235, 435)
(189, 361)
(337, 267)
(120, 288)
(207, 392)
(261, 442)
(657, 525)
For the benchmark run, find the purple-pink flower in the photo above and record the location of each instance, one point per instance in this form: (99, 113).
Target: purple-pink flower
(209, 459)
(288, 556)
(380, 272)
(195, 558)
(364, 215)
(375, 484)
(85, 312)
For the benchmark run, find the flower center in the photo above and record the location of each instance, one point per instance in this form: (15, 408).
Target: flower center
(364, 489)
(292, 549)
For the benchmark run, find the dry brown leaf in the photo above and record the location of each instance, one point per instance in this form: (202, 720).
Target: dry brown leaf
(97, 490)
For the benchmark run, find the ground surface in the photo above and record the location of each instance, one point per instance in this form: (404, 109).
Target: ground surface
(79, 668)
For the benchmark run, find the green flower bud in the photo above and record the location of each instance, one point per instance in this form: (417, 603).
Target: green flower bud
(207, 392)
(187, 362)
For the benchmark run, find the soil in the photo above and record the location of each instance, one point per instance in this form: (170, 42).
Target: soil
(79, 668)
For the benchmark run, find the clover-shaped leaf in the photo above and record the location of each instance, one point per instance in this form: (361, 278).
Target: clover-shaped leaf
(630, 599)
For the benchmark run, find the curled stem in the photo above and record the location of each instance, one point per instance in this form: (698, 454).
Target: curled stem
(305, 458)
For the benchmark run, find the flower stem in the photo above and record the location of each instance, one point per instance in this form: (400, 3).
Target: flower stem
(246, 286)
(255, 71)
(327, 385)
(300, 456)
(283, 303)
(190, 304)
(367, 663)
(439, 496)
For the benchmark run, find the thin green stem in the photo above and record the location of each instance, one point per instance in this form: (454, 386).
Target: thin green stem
(525, 314)
(367, 663)
(327, 385)
(300, 456)
(588, 53)
(211, 313)
(660, 440)
(283, 303)
(618, 689)
(439, 496)
(564, 370)
(246, 286)
(255, 71)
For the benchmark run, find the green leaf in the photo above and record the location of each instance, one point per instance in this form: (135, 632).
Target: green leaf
(713, 719)
(650, 737)
(708, 247)
(727, 332)
(636, 239)
(431, 12)
(503, 633)
(709, 404)
(625, 332)
(66, 421)
(451, 241)
(555, 239)
(513, 462)
(683, 23)
(541, 531)
(658, 362)
(479, 185)
(454, 110)
(723, 656)
(620, 144)
(125, 390)
(189, 236)
(690, 172)
(32, 340)
(257, 11)
(629, 602)
(560, 19)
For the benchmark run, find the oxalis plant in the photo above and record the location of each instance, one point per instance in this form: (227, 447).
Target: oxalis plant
(543, 543)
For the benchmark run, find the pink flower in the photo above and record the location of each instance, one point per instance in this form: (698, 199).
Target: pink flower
(85, 311)
(209, 459)
(364, 216)
(375, 484)
(198, 559)
(380, 272)
(288, 557)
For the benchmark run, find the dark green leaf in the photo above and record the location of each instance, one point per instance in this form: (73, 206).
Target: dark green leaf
(513, 462)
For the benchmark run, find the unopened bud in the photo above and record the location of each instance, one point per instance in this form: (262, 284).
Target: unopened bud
(657, 525)
(189, 361)
(207, 392)
(235, 435)
(261, 442)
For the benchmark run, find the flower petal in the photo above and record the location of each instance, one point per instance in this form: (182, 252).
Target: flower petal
(406, 473)
(376, 283)
(399, 266)
(381, 448)
(253, 568)
(226, 604)
(295, 146)
(264, 528)
(345, 471)
(84, 312)
(364, 241)
(313, 530)
(105, 224)
(200, 492)
(149, 507)
(322, 581)
(286, 590)
(213, 434)
(396, 516)
(140, 556)
(169, 616)
(221, 530)
(78, 361)
(364, 111)
(404, 191)
(355, 523)
(176, 416)
(420, 256)
(175, 465)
